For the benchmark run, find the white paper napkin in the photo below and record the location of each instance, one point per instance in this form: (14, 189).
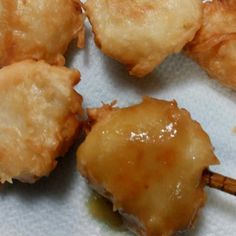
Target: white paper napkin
(57, 205)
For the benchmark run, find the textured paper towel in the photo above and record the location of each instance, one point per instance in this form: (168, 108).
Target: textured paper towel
(57, 205)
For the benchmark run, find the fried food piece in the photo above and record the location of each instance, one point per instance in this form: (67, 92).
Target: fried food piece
(142, 33)
(39, 29)
(148, 160)
(38, 118)
(214, 47)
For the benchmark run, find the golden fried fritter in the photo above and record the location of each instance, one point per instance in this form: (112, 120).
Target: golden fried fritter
(39, 29)
(38, 118)
(148, 160)
(214, 46)
(142, 33)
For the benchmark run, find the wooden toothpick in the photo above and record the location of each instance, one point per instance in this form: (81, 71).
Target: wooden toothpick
(220, 182)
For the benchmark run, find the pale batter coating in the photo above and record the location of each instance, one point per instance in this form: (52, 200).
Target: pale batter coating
(39, 29)
(142, 33)
(148, 160)
(214, 47)
(38, 118)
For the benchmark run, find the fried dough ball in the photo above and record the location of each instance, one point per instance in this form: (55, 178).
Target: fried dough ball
(38, 118)
(39, 29)
(148, 160)
(214, 47)
(142, 33)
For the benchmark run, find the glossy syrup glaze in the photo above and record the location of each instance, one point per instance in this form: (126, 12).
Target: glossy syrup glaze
(149, 160)
(101, 209)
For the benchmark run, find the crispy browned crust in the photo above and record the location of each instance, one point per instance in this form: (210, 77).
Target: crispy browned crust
(39, 118)
(214, 46)
(29, 33)
(124, 30)
(96, 114)
(81, 30)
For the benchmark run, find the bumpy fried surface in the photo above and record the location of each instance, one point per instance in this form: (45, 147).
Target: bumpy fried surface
(148, 159)
(38, 118)
(214, 46)
(38, 29)
(142, 33)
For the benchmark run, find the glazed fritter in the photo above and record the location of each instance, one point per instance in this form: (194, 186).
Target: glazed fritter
(148, 159)
(214, 47)
(38, 118)
(142, 33)
(39, 29)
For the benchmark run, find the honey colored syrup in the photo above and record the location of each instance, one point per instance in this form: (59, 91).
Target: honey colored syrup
(101, 209)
